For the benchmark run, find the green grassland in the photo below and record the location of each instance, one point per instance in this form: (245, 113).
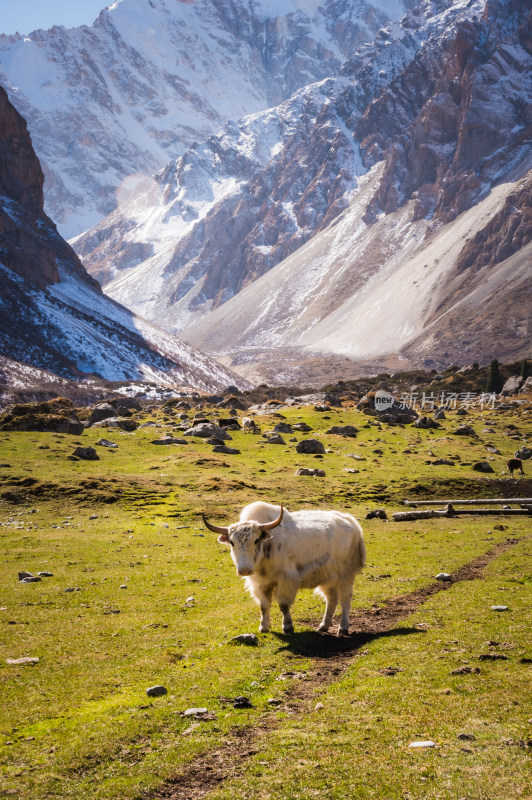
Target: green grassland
(79, 723)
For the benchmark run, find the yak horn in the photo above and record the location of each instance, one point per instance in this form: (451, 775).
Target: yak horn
(269, 525)
(214, 528)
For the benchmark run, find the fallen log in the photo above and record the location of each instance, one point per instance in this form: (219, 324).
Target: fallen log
(503, 500)
(403, 516)
(485, 512)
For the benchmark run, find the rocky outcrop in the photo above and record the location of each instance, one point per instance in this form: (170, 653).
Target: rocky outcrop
(455, 118)
(29, 243)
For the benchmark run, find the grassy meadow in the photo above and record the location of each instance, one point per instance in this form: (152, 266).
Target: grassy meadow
(142, 594)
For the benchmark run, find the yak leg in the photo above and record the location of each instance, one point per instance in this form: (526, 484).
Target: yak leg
(286, 600)
(264, 596)
(346, 597)
(331, 601)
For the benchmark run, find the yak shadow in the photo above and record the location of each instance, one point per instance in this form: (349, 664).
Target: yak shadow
(325, 645)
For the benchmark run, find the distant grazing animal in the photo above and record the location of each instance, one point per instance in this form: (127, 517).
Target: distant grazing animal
(248, 425)
(278, 553)
(513, 464)
(227, 422)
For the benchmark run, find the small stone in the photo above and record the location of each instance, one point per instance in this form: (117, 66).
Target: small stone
(246, 638)
(27, 661)
(123, 586)
(33, 579)
(272, 701)
(86, 453)
(194, 712)
(318, 706)
(427, 743)
(190, 600)
(45, 574)
(93, 516)
(499, 608)
(466, 737)
(242, 702)
(465, 671)
(443, 576)
(106, 443)
(23, 575)
(492, 657)
(156, 691)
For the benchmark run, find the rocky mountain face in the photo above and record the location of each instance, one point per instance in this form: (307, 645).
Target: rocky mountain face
(381, 215)
(29, 243)
(109, 103)
(425, 121)
(55, 320)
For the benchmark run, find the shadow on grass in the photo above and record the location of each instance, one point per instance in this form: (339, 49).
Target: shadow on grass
(324, 645)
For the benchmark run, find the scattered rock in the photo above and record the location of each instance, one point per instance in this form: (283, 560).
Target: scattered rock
(499, 608)
(242, 702)
(319, 473)
(466, 737)
(86, 453)
(32, 579)
(283, 427)
(344, 430)
(440, 414)
(439, 461)
(272, 701)
(464, 430)
(443, 576)
(426, 423)
(100, 412)
(310, 446)
(169, 440)
(492, 657)
(524, 453)
(223, 448)
(207, 429)
(157, 691)
(465, 671)
(427, 743)
(248, 639)
(461, 412)
(124, 423)
(273, 438)
(106, 443)
(123, 586)
(301, 426)
(45, 574)
(23, 575)
(512, 385)
(27, 661)
(483, 466)
(195, 712)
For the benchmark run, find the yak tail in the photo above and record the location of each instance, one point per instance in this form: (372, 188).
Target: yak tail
(362, 552)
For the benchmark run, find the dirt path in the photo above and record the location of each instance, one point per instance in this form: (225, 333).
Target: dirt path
(332, 657)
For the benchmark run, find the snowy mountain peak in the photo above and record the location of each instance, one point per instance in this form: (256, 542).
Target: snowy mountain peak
(149, 77)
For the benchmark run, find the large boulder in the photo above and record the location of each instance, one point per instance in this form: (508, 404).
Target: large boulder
(526, 387)
(426, 423)
(102, 411)
(56, 415)
(206, 430)
(524, 453)
(483, 466)
(310, 447)
(125, 423)
(464, 430)
(512, 385)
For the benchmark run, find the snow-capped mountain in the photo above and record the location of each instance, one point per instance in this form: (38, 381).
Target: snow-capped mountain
(111, 103)
(384, 194)
(53, 315)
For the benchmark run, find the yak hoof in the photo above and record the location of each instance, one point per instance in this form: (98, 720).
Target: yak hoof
(263, 629)
(289, 629)
(323, 628)
(343, 631)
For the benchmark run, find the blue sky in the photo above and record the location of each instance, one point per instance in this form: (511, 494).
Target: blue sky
(25, 16)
